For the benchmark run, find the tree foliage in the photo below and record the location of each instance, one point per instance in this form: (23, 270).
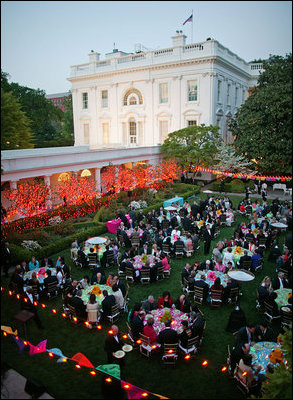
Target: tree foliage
(226, 159)
(193, 145)
(263, 125)
(15, 126)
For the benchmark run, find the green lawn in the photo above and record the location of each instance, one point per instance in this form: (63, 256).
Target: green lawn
(188, 380)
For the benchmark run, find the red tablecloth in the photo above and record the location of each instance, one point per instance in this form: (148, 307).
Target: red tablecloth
(113, 225)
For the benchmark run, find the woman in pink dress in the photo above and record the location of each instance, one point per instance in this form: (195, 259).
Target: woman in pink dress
(165, 262)
(220, 267)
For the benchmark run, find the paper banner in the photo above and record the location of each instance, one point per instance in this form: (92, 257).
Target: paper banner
(110, 369)
(8, 329)
(20, 344)
(56, 351)
(82, 360)
(133, 392)
(39, 348)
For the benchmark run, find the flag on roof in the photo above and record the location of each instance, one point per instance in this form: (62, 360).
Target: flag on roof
(188, 19)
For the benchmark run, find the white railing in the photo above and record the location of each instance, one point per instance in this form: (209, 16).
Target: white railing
(256, 66)
(164, 52)
(191, 47)
(131, 58)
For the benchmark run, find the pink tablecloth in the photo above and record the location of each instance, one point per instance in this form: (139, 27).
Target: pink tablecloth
(138, 263)
(177, 318)
(113, 225)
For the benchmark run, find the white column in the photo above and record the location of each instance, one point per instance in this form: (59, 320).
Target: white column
(47, 180)
(13, 185)
(98, 179)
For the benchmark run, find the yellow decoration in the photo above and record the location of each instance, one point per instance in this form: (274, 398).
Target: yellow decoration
(96, 290)
(276, 356)
(8, 329)
(238, 251)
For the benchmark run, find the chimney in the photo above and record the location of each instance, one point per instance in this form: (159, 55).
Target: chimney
(94, 56)
(179, 39)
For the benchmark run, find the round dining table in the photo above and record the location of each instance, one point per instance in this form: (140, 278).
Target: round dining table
(210, 277)
(138, 261)
(177, 317)
(261, 354)
(238, 254)
(99, 297)
(283, 296)
(41, 274)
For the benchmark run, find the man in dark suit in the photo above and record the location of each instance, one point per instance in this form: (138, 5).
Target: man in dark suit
(183, 304)
(263, 333)
(237, 354)
(243, 258)
(50, 279)
(47, 263)
(196, 323)
(113, 343)
(195, 209)
(132, 215)
(185, 272)
(5, 257)
(17, 280)
(137, 325)
(168, 335)
(207, 238)
(245, 335)
(107, 303)
(231, 284)
(105, 254)
(202, 284)
(28, 304)
(81, 257)
(78, 304)
(120, 284)
(280, 282)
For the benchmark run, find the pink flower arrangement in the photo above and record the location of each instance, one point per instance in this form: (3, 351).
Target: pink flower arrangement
(42, 271)
(211, 276)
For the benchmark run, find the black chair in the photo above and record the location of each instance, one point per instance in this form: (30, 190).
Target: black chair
(52, 290)
(179, 250)
(115, 313)
(269, 313)
(170, 354)
(110, 260)
(129, 274)
(198, 295)
(145, 275)
(93, 260)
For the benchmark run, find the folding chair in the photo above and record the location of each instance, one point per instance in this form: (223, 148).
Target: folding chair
(129, 274)
(179, 250)
(52, 290)
(186, 287)
(286, 318)
(234, 295)
(145, 346)
(93, 260)
(115, 313)
(192, 346)
(160, 272)
(216, 298)
(269, 314)
(170, 355)
(198, 295)
(145, 275)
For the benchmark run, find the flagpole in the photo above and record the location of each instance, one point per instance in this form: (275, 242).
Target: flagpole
(192, 28)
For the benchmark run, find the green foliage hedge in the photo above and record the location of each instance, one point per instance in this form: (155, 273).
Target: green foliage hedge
(19, 254)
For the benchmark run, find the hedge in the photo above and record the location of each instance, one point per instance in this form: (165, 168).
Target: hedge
(19, 254)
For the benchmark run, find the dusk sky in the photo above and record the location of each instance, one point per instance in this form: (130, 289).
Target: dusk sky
(41, 40)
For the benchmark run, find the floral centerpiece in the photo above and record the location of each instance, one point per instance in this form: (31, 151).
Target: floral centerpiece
(166, 316)
(211, 276)
(42, 271)
(219, 212)
(276, 356)
(238, 251)
(255, 231)
(200, 223)
(96, 290)
(144, 258)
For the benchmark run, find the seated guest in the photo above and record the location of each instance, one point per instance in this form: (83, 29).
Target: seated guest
(245, 335)
(82, 258)
(190, 280)
(280, 282)
(136, 309)
(46, 263)
(165, 300)
(270, 300)
(28, 303)
(189, 243)
(120, 285)
(243, 258)
(255, 260)
(179, 243)
(106, 253)
(149, 331)
(50, 279)
(263, 333)
(154, 270)
(84, 282)
(197, 323)
(65, 268)
(183, 304)
(217, 285)
(144, 250)
(249, 376)
(110, 279)
(98, 279)
(206, 265)
(202, 284)
(165, 261)
(155, 251)
(228, 257)
(237, 354)
(186, 334)
(118, 296)
(107, 303)
(220, 266)
(168, 335)
(149, 305)
(33, 264)
(133, 251)
(265, 289)
(72, 288)
(24, 266)
(77, 302)
(60, 277)
(231, 284)
(185, 272)
(136, 325)
(92, 309)
(34, 282)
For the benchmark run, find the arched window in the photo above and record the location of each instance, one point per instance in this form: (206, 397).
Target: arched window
(132, 100)
(86, 172)
(63, 177)
(130, 94)
(132, 131)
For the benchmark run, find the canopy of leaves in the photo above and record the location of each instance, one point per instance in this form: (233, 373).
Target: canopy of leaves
(227, 160)
(193, 145)
(263, 125)
(15, 126)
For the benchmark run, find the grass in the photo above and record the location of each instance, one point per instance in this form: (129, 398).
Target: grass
(188, 380)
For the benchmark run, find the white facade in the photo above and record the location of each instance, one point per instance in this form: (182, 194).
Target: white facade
(131, 100)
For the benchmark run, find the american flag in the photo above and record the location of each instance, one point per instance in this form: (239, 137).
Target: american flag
(188, 19)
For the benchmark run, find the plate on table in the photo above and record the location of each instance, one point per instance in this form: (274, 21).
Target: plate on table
(269, 345)
(176, 312)
(184, 316)
(287, 309)
(119, 354)
(127, 348)
(257, 346)
(254, 356)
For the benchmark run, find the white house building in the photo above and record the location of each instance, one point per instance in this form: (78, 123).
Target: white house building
(125, 105)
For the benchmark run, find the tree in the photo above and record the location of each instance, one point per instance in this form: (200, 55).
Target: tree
(15, 126)
(67, 130)
(195, 145)
(262, 127)
(279, 385)
(227, 160)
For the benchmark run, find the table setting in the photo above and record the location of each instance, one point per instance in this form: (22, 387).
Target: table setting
(41, 274)
(163, 314)
(97, 290)
(238, 252)
(210, 277)
(264, 353)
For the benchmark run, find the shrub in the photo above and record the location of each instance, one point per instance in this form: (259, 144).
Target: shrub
(55, 220)
(30, 245)
(64, 229)
(19, 254)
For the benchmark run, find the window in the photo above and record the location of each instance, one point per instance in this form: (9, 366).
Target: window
(236, 96)
(192, 90)
(163, 89)
(106, 133)
(219, 91)
(191, 123)
(129, 94)
(132, 100)
(163, 130)
(228, 93)
(132, 131)
(85, 101)
(86, 133)
(104, 98)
